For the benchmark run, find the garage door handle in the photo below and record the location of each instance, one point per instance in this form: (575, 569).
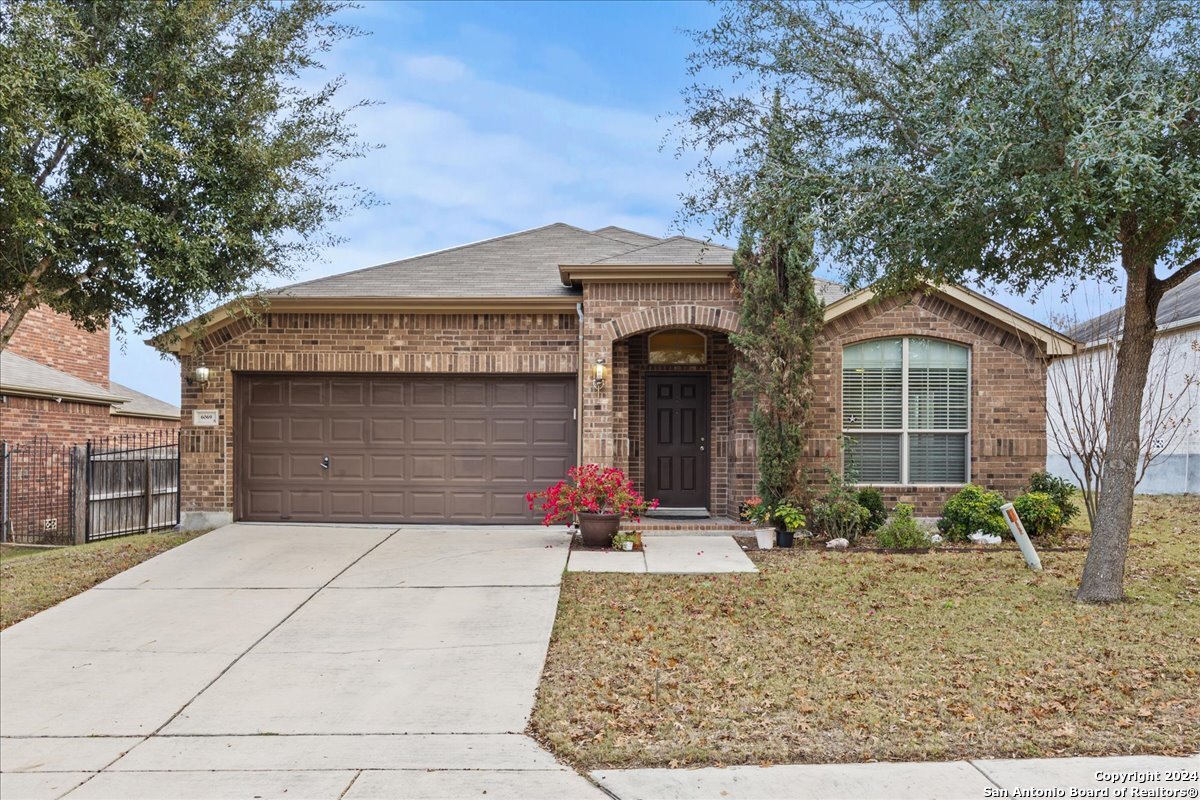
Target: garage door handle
(325, 462)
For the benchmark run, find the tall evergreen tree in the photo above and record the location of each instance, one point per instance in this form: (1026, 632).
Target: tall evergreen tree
(780, 318)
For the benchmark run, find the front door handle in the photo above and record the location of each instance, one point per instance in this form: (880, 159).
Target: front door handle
(325, 462)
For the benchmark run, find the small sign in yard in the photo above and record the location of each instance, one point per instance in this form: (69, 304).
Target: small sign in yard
(1018, 531)
(205, 417)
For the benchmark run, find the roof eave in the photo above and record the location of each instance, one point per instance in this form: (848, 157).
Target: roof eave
(572, 274)
(51, 394)
(180, 341)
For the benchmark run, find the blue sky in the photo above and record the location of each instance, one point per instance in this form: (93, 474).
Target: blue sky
(497, 117)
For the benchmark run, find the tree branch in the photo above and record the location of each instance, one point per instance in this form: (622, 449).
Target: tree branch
(1182, 274)
(55, 160)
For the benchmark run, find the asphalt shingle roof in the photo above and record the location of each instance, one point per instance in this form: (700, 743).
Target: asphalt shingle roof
(523, 264)
(1179, 304)
(20, 375)
(142, 405)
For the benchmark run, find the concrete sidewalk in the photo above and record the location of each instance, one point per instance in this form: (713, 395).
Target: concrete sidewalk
(668, 554)
(1053, 777)
(290, 661)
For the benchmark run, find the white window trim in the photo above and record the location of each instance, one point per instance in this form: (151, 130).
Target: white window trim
(904, 430)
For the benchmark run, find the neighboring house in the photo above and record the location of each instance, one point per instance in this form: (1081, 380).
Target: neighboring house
(54, 383)
(1173, 383)
(444, 387)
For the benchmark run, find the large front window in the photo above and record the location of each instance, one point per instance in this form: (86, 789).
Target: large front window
(906, 411)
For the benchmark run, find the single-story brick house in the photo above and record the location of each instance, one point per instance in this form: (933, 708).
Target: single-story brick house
(444, 387)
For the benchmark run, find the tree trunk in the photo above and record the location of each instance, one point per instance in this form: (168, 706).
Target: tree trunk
(1104, 570)
(22, 307)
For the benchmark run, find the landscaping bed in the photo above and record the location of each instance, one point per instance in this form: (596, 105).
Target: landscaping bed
(34, 581)
(848, 656)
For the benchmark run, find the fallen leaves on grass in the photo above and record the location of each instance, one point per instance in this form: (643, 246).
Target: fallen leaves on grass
(855, 657)
(35, 582)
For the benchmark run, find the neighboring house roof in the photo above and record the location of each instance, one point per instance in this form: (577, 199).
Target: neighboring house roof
(1178, 307)
(21, 376)
(142, 405)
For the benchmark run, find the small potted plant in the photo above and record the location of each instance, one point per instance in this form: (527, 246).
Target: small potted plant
(594, 496)
(758, 512)
(788, 519)
(627, 541)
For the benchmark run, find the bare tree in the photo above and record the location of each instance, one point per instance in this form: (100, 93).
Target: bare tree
(1080, 407)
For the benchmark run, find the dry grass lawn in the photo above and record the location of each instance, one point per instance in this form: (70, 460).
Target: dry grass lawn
(34, 581)
(827, 657)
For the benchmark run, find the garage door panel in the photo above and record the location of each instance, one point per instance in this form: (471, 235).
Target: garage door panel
(387, 430)
(265, 429)
(469, 468)
(386, 394)
(306, 393)
(427, 394)
(348, 431)
(428, 505)
(468, 431)
(510, 431)
(400, 449)
(388, 467)
(550, 431)
(510, 468)
(428, 467)
(306, 503)
(306, 429)
(305, 466)
(428, 431)
(347, 504)
(346, 393)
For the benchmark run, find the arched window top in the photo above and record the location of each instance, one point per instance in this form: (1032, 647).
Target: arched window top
(678, 346)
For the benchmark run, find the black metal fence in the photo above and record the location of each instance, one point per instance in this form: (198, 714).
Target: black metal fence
(56, 494)
(37, 491)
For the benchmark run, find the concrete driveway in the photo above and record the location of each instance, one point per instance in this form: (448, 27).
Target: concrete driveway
(297, 661)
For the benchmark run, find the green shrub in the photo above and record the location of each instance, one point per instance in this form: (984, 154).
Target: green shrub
(871, 499)
(837, 513)
(1039, 513)
(789, 515)
(1061, 490)
(902, 530)
(972, 509)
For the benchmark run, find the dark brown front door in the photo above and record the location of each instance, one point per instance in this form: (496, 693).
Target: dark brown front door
(677, 440)
(399, 449)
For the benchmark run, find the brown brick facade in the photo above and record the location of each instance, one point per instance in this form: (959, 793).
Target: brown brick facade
(50, 338)
(25, 418)
(353, 343)
(1008, 382)
(617, 319)
(1008, 378)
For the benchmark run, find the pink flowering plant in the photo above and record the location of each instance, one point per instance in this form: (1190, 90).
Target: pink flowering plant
(589, 488)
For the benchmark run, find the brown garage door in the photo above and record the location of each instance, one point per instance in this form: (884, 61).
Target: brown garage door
(384, 449)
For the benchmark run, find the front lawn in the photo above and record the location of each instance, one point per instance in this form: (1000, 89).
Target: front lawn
(832, 657)
(32, 582)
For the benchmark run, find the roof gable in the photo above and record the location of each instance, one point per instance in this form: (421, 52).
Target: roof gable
(1055, 343)
(675, 250)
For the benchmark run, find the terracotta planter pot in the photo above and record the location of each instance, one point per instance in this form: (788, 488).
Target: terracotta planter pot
(598, 529)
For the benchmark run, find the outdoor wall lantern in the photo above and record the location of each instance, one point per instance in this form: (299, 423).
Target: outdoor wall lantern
(598, 381)
(199, 374)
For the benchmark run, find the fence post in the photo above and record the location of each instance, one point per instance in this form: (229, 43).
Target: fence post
(149, 471)
(79, 493)
(3, 491)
